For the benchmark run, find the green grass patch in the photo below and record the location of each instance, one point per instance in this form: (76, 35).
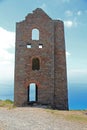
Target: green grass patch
(79, 118)
(76, 116)
(7, 103)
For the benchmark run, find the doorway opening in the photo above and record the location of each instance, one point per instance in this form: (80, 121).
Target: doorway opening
(32, 93)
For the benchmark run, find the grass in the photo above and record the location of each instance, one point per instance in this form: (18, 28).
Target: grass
(79, 118)
(76, 116)
(7, 103)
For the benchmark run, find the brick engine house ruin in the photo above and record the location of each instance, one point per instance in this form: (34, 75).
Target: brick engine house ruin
(40, 62)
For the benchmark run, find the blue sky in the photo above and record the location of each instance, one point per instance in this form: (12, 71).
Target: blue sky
(74, 15)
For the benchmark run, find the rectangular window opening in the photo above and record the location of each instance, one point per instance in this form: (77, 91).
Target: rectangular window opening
(40, 45)
(28, 45)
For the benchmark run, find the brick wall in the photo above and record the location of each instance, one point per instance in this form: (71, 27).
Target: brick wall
(51, 78)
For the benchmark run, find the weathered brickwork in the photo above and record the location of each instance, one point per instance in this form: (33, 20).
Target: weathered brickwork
(50, 79)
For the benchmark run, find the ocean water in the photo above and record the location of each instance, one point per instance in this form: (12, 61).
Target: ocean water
(77, 95)
(6, 92)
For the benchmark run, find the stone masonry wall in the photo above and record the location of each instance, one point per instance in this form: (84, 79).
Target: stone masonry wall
(51, 78)
(61, 92)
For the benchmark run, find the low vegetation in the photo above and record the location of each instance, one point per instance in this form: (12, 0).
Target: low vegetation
(7, 103)
(78, 116)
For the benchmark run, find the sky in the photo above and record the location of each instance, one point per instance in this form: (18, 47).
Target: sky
(74, 15)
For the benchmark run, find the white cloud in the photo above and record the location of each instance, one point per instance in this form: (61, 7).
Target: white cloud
(7, 72)
(7, 42)
(67, 53)
(7, 38)
(78, 71)
(5, 55)
(79, 13)
(70, 23)
(77, 75)
(68, 13)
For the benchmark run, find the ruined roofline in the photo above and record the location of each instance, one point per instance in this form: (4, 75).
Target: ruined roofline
(39, 10)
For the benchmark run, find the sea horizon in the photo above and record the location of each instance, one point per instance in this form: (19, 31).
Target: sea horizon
(77, 95)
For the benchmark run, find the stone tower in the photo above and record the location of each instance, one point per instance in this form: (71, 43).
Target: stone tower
(40, 61)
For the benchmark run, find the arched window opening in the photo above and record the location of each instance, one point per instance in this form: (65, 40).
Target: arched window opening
(32, 93)
(35, 64)
(35, 34)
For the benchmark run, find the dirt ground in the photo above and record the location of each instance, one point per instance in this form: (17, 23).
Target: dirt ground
(37, 118)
